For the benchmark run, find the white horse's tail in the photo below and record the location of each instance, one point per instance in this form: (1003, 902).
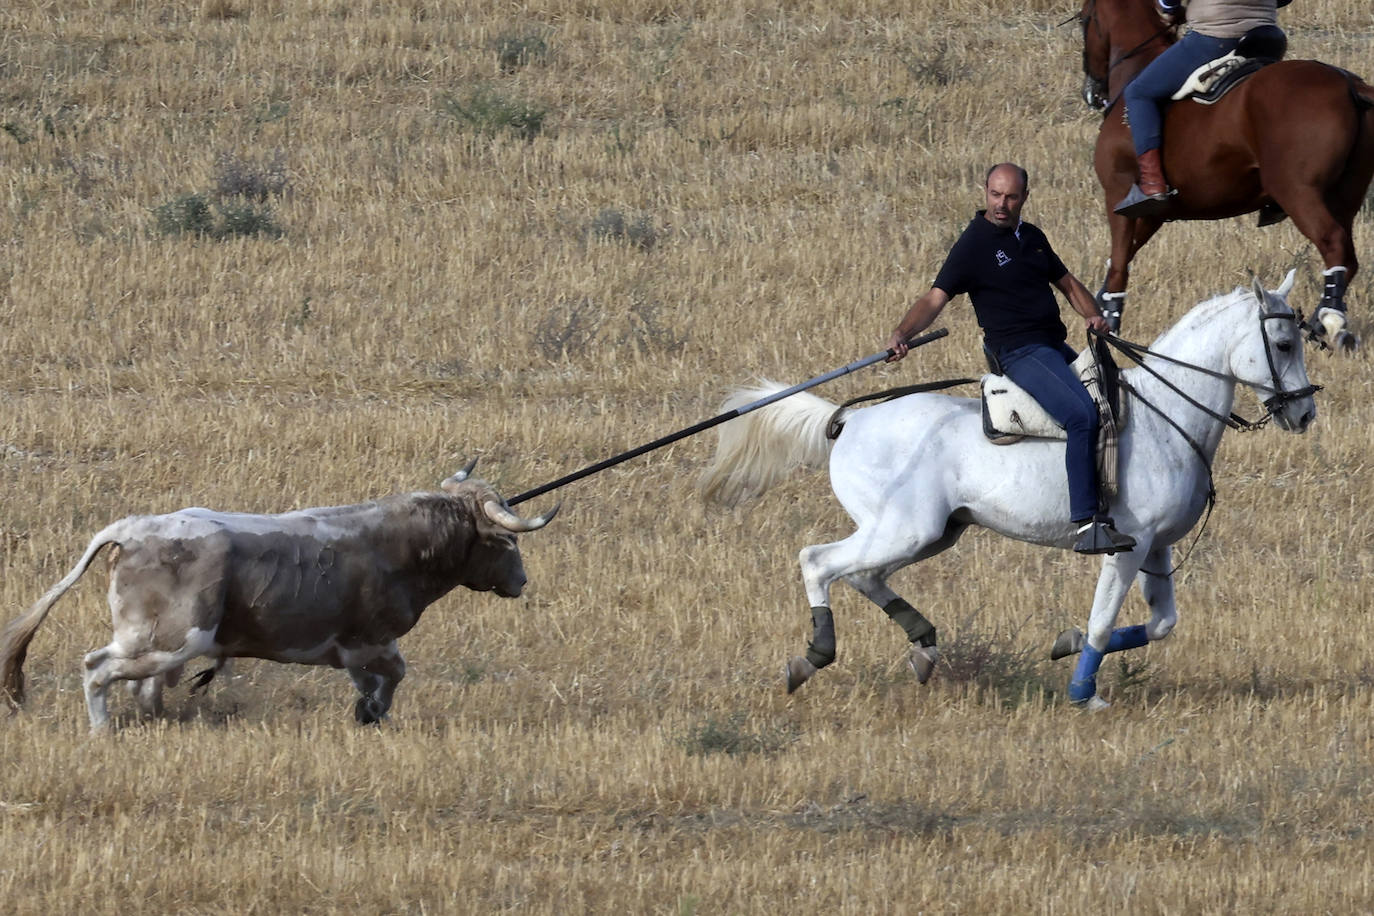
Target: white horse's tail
(756, 451)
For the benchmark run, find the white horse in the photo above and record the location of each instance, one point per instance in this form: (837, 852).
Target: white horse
(916, 472)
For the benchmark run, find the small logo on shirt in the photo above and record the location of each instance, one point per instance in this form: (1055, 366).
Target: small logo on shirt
(1002, 259)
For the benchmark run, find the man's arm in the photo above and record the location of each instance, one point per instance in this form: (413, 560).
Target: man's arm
(920, 316)
(1082, 301)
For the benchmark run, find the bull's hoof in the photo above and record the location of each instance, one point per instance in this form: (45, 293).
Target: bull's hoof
(921, 660)
(797, 671)
(368, 711)
(1070, 642)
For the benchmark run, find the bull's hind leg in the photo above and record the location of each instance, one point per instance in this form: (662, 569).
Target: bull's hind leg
(147, 693)
(117, 662)
(376, 680)
(866, 558)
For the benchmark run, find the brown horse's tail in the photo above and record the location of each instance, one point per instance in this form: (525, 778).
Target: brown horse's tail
(14, 641)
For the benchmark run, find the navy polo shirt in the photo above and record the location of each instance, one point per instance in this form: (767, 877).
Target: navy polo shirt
(1007, 274)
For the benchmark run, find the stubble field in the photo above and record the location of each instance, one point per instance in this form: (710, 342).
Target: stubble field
(259, 255)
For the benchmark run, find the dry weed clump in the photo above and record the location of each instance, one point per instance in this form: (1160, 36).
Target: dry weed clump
(543, 236)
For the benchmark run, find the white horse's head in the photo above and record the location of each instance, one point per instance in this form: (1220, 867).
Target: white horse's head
(1269, 359)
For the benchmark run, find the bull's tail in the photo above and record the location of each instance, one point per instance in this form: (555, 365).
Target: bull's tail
(758, 450)
(14, 641)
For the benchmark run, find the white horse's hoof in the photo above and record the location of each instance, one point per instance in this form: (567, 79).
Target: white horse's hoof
(1094, 703)
(797, 671)
(921, 660)
(1344, 342)
(1070, 642)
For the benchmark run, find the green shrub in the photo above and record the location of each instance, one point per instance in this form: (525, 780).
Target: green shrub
(516, 51)
(489, 112)
(728, 736)
(194, 214)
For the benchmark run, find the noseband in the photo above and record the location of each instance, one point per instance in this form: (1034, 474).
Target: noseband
(1280, 397)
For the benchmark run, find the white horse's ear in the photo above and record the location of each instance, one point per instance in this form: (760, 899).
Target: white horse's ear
(1258, 289)
(1286, 286)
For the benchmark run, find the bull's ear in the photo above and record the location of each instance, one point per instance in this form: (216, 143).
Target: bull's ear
(450, 486)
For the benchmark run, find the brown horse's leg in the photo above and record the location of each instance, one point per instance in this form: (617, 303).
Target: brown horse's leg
(1128, 237)
(1335, 242)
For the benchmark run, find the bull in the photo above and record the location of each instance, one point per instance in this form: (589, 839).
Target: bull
(335, 585)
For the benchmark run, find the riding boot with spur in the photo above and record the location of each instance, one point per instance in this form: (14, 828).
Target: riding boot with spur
(1099, 535)
(1150, 196)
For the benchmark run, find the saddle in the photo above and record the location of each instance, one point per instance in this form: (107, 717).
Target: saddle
(1010, 414)
(1257, 48)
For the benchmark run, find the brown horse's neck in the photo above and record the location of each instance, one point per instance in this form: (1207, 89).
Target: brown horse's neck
(1136, 35)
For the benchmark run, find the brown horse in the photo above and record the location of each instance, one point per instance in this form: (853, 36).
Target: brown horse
(1295, 139)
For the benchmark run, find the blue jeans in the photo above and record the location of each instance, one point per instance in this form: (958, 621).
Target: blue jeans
(1152, 87)
(1045, 374)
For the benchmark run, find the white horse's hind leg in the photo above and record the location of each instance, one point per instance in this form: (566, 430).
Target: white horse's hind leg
(923, 654)
(867, 557)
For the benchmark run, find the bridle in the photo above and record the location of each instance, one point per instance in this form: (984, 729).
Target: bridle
(1088, 17)
(1136, 352)
(1272, 404)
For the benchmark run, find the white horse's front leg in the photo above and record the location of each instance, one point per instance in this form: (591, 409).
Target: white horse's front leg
(1112, 585)
(1157, 585)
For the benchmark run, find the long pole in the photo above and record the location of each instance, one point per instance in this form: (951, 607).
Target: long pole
(704, 425)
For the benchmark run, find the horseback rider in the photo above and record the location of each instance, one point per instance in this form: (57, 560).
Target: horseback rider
(1007, 267)
(1216, 27)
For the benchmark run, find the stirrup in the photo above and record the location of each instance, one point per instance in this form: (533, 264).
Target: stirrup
(1099, 536)
(1138, 204)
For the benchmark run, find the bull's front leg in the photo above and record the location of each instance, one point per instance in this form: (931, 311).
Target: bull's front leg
(376, 679)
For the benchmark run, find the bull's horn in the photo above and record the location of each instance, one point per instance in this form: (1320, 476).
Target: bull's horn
(463, 474)
(512, 522)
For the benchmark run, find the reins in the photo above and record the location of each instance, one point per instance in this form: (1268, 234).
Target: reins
(1089, 17)
(835, 424)
(1136, 352)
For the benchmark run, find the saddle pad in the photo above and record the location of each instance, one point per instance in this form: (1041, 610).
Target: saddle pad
(1010, 414)
(1208, 83)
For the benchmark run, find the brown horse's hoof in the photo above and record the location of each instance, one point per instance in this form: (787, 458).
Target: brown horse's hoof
(797, 671)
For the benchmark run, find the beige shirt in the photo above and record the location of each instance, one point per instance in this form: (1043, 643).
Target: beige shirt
(1230, 18)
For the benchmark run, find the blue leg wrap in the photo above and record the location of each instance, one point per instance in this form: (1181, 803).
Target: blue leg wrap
(1083, 687)
(1127, 638)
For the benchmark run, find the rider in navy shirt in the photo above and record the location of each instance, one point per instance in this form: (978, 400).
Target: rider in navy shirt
(1008, 267)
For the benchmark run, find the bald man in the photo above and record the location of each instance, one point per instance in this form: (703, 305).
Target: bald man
(1009, 270)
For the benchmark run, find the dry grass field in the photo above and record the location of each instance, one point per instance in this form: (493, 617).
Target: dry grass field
(260, 255)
